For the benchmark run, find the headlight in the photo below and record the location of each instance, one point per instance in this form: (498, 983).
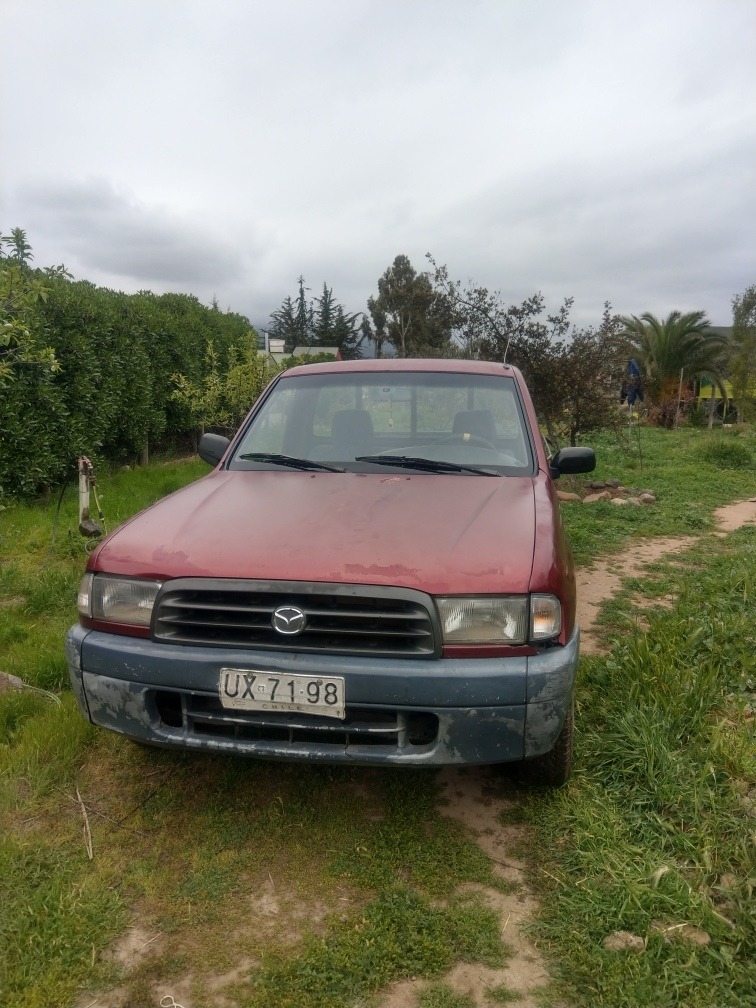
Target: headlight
(117, 599)
(500, 619)
(485, 619)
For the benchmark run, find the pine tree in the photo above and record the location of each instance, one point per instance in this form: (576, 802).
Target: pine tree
(283, 325)
(303, 313)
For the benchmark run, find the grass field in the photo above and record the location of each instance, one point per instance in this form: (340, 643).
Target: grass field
(653, 836)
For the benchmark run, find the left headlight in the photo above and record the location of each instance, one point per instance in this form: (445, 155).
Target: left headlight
(499, 619)
(117, 599)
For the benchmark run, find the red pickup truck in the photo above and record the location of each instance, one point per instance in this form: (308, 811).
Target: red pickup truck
(374, 572)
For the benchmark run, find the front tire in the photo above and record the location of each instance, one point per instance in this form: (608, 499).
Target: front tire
(553, 768)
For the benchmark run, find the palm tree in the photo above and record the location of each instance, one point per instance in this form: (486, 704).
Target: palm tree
(675, 350)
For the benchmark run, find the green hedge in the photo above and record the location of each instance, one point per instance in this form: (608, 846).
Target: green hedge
(111, 396)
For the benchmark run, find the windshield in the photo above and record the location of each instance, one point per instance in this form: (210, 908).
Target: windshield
(350, 421)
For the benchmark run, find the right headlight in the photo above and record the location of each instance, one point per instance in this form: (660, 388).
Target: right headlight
(499, 619)
(117, 599)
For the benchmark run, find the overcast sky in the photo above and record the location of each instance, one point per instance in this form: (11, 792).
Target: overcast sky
(595, 149)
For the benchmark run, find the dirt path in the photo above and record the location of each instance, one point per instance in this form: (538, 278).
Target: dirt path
(472, 796)
(603, 579)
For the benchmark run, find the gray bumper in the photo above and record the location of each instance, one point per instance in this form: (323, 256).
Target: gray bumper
(488, 710)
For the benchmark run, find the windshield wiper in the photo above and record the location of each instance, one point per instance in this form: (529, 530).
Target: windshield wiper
(424, 464)
(288, 460)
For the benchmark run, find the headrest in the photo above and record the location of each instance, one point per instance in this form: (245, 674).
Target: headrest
(351, 425)
(479, 423)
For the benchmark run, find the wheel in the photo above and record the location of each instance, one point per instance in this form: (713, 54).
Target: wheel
(554, 767)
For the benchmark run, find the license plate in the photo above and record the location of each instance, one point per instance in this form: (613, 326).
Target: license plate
(251, 690)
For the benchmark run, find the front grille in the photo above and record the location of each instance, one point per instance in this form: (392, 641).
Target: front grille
(203, 717)
(340, 619)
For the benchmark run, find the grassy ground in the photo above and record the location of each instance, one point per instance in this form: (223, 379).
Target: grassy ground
(654, 829)
(655, 834)
(691, 471)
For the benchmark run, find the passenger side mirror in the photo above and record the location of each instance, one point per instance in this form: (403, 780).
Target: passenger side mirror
(572, 460)
(212, 448)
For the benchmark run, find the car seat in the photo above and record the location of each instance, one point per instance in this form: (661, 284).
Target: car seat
(351, 434)
(476, 423)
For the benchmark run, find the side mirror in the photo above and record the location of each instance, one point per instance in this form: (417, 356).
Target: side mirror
(212, 448)
(572, 460)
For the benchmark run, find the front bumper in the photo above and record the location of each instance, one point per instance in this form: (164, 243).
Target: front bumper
(399, 711)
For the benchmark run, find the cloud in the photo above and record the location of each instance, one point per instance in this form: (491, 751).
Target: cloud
(595, 150)
(111, 233)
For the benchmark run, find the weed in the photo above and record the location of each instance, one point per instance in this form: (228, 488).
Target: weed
(398, 935)
(727, 454)
(440, 995)
(653, 815)
(502, 995)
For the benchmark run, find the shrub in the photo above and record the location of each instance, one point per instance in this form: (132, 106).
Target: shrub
(725, 453)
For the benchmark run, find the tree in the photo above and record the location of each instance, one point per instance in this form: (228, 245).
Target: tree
(377, 336)
(593, 370)
(366, 335)
(22, 328)
(322, 321)
(347, 334)
(203, 400)
(409, 313)
(333, 326)
(21, 252)
(672, 352)
(743, 357)
(483, 324)
(573, 377)
(283, 325)
(248, 374)
(303, 315)
(324, 317)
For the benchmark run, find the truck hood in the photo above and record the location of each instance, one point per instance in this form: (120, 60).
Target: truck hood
(442, 534)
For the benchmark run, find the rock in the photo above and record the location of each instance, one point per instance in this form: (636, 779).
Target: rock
(620, 500)
(613, 489)
(623, 941)
(564, 496)
(9, 682)
(633, 500)
(682, 932)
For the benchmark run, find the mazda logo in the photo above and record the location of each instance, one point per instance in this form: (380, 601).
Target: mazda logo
(289, 620)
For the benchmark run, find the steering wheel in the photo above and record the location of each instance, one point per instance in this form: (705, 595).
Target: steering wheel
(472, 439)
